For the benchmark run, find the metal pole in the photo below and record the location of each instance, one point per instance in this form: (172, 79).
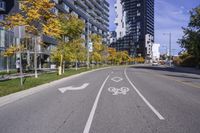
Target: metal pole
(21, 72)
(35, 57)
(88, 54)
(170, 50)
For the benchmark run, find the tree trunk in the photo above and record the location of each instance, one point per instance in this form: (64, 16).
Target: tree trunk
(7, 65)
(60, 66)
(76, 65)
(63, 69)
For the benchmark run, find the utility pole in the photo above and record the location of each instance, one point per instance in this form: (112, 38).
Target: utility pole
(170, 38)
(170, 49)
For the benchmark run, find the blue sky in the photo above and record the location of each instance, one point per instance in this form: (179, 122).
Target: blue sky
(170, 16)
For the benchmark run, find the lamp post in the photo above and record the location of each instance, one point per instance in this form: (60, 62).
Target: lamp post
(88, 54)
(169, 34)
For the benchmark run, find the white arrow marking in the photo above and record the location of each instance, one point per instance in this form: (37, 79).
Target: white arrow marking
(62, 90)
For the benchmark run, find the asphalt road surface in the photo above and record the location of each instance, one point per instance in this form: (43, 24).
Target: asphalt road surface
(137, 99)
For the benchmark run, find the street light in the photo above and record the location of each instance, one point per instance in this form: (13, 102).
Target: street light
(169, 34)
(88, 30)
(88, 54)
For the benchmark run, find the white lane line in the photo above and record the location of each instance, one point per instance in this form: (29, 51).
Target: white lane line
(144, 99)
(91, 116)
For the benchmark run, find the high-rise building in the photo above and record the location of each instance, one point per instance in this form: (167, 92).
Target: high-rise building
(134, 20)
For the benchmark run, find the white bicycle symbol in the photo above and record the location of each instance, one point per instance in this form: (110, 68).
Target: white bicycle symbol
(116, 91)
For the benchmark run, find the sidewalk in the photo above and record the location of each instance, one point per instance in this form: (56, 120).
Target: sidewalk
(17, 75)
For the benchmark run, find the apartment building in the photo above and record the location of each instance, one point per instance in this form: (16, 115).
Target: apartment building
(135, 20)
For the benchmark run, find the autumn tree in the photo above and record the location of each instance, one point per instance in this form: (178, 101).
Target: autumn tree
(38, 19)
(70, 47)
(112, 54)
(10, 51)
(99, 49)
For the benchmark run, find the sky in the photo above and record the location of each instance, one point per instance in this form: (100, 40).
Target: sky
(170, 17)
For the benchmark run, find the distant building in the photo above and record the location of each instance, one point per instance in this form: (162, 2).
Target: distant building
(112, 37)
(134, 20)
(156, 52)
(149, 40)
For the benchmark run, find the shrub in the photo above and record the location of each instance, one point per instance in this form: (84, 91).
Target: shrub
(189, 61)
(177, 61)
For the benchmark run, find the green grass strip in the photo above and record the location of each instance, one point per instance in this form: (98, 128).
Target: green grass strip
(12, 86)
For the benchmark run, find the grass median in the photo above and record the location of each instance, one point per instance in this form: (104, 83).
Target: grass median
(12, 86)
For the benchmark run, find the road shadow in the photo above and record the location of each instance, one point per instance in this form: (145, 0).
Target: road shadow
(182, 76)
(166, 69)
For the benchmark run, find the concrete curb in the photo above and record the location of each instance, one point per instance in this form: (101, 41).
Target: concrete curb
(22, 94)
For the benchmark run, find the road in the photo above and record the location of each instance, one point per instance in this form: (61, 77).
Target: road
(134, 99)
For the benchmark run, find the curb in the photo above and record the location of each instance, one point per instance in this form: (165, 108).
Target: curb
(22, 94)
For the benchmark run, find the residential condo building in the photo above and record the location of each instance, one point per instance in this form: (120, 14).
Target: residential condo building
(134, 21)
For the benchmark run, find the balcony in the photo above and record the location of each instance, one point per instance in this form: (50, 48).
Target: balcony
(81, 4)
(2, 6)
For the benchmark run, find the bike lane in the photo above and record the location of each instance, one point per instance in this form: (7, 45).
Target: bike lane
(121, 110)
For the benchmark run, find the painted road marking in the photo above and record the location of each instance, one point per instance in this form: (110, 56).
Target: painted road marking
(91, 116)
(116, 91)
(143, 98)
(64, 89)
(117, 79)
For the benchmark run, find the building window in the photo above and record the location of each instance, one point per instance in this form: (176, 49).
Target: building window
(138, 5)
(138, 13)
(2, 6)
(66, 8)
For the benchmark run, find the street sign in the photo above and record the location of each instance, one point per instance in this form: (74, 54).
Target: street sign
(90, 47)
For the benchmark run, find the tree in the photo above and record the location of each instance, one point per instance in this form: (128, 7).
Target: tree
(191, 39)
(38, 19)
(10, 51)
(112, 53)
(98, 48)
(70, 46)
(122, 57)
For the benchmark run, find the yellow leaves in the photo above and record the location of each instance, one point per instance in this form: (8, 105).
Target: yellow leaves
(52, 28)
(14, 20)
(96, 57)
(71, 26)
(12, 50)
(112, 54)
(36, 16)
(71, 51)
(96, 38)
(139, 59)
(33, 14)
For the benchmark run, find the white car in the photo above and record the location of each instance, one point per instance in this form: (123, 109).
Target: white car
(155, 63)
